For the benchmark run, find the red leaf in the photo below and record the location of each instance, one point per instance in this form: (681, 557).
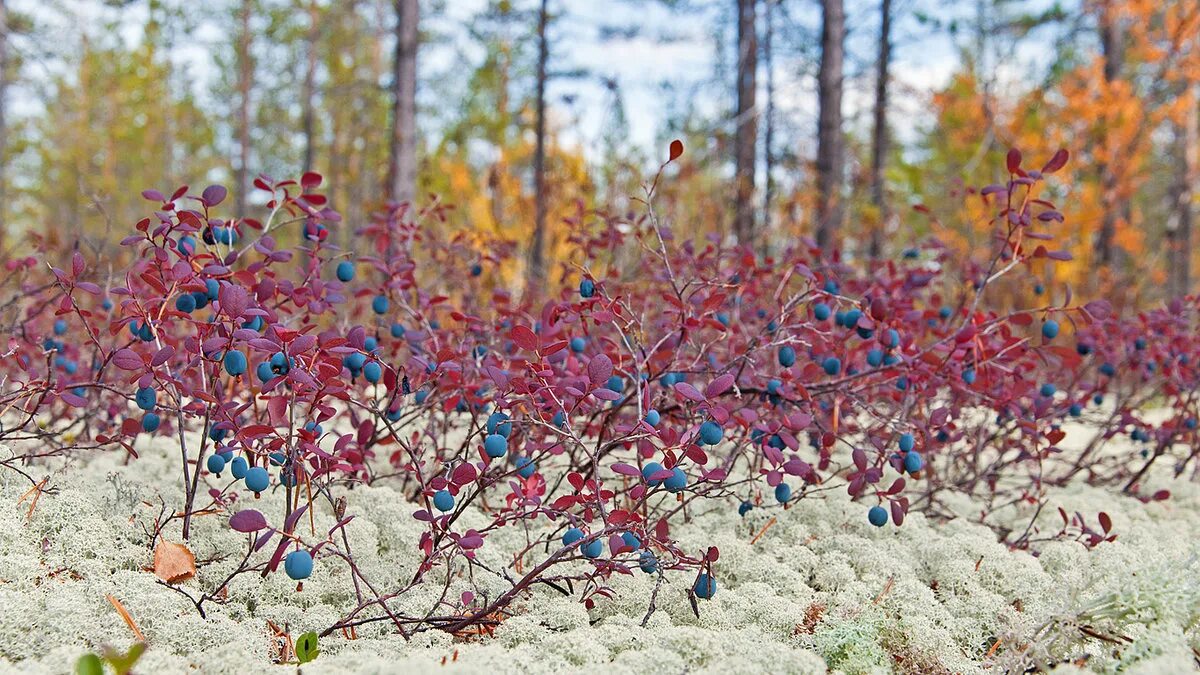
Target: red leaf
(600, 368)
(688, 391)
(525, 338)
(676, 150)
(1105, 522)
(214, 194)
(1014, 161)
(625, 469)
(1058, 161)
(719, 386)
(248, 520)
(127, 359)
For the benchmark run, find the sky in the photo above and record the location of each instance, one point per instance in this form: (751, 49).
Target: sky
(684, 47)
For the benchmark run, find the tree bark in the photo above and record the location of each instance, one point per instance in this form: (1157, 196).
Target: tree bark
(245, 77)
(402, 157)
(879, 135)
(746, 134)
(536, 273)
(1182, 218)
(1112, 48)
(829, 125)
(3, 121)
(309, 87)
(769, 117)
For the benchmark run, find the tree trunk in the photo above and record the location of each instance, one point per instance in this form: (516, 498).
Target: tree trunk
(309, 86)
(3, 121)
(829, 125)
(402, 157)
(536, 274)
(1111, 43)
(879, 135)
(769, 132)
(245, 75)
(1182, 218)
(746, 134)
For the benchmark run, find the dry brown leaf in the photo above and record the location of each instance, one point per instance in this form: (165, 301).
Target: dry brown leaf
(173, 563)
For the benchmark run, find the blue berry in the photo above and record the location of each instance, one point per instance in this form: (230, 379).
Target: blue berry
(705, 587)
(631, 540)
(495, 445)
(968, 376)
(257, 479)
(944, 312)
(587, 288)
(216, 464)
(279, 363)
(146, 398)
(212, 289)
(615, 383)
(373, 372)
(578, 344)
(345, 270)
(875, 358)
(380, 304)
(571, 536)
(397, 330)
(420, 396)
(653, 418)
(1107, 369)
(497, 423)
(711, 433)
(907, 442)
(592, 549)
(787, 356)
(1075, 410)
(355, 361)
(891, 338)
(476, 269)
(238, 467)
(831, 286)
(877, 516)
(443, 501)
(650, 469)
(1050, 329)
(1047, 390)
(647, 562)
(186, 246)
(744, 508)
(783, 492)
(832, 365)
(676, 481)
(913, 462)
(235, 362)
(185, 303)
(1138, 344)
(150, 422)
(298, 565)
(560, 418)
(821, 311)
(525, 467)
(60, 326)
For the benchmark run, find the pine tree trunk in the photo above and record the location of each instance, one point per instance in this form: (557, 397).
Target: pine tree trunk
(879, 135)
(746, 134)
(769, 132)
(402, 158)
(536, 273)
(1182, 218)
(1111, 39)
(245, 76)
(3, 121)
(309, 87)
(829, 125)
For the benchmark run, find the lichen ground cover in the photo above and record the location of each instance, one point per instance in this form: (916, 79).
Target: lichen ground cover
(818, 589)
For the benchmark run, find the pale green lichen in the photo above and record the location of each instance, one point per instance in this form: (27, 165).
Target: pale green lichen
(820, 589)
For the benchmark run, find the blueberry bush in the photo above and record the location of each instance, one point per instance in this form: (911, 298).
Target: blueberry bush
(654, 376)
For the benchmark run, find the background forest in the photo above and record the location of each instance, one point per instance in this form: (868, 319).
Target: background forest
(863, 124)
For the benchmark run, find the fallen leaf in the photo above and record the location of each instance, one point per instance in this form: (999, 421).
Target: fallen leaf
(173, 563)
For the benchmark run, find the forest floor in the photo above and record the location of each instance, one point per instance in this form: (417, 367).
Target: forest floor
(819, 589)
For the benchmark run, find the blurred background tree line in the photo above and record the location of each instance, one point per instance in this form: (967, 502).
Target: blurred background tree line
(866, 125)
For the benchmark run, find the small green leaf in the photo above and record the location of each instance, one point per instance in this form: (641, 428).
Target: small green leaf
(306, 647)
(89, 664)
(123, 663)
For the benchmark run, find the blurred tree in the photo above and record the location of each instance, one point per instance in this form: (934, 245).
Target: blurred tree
(830, 160)
(402, 155)
(746, 122)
